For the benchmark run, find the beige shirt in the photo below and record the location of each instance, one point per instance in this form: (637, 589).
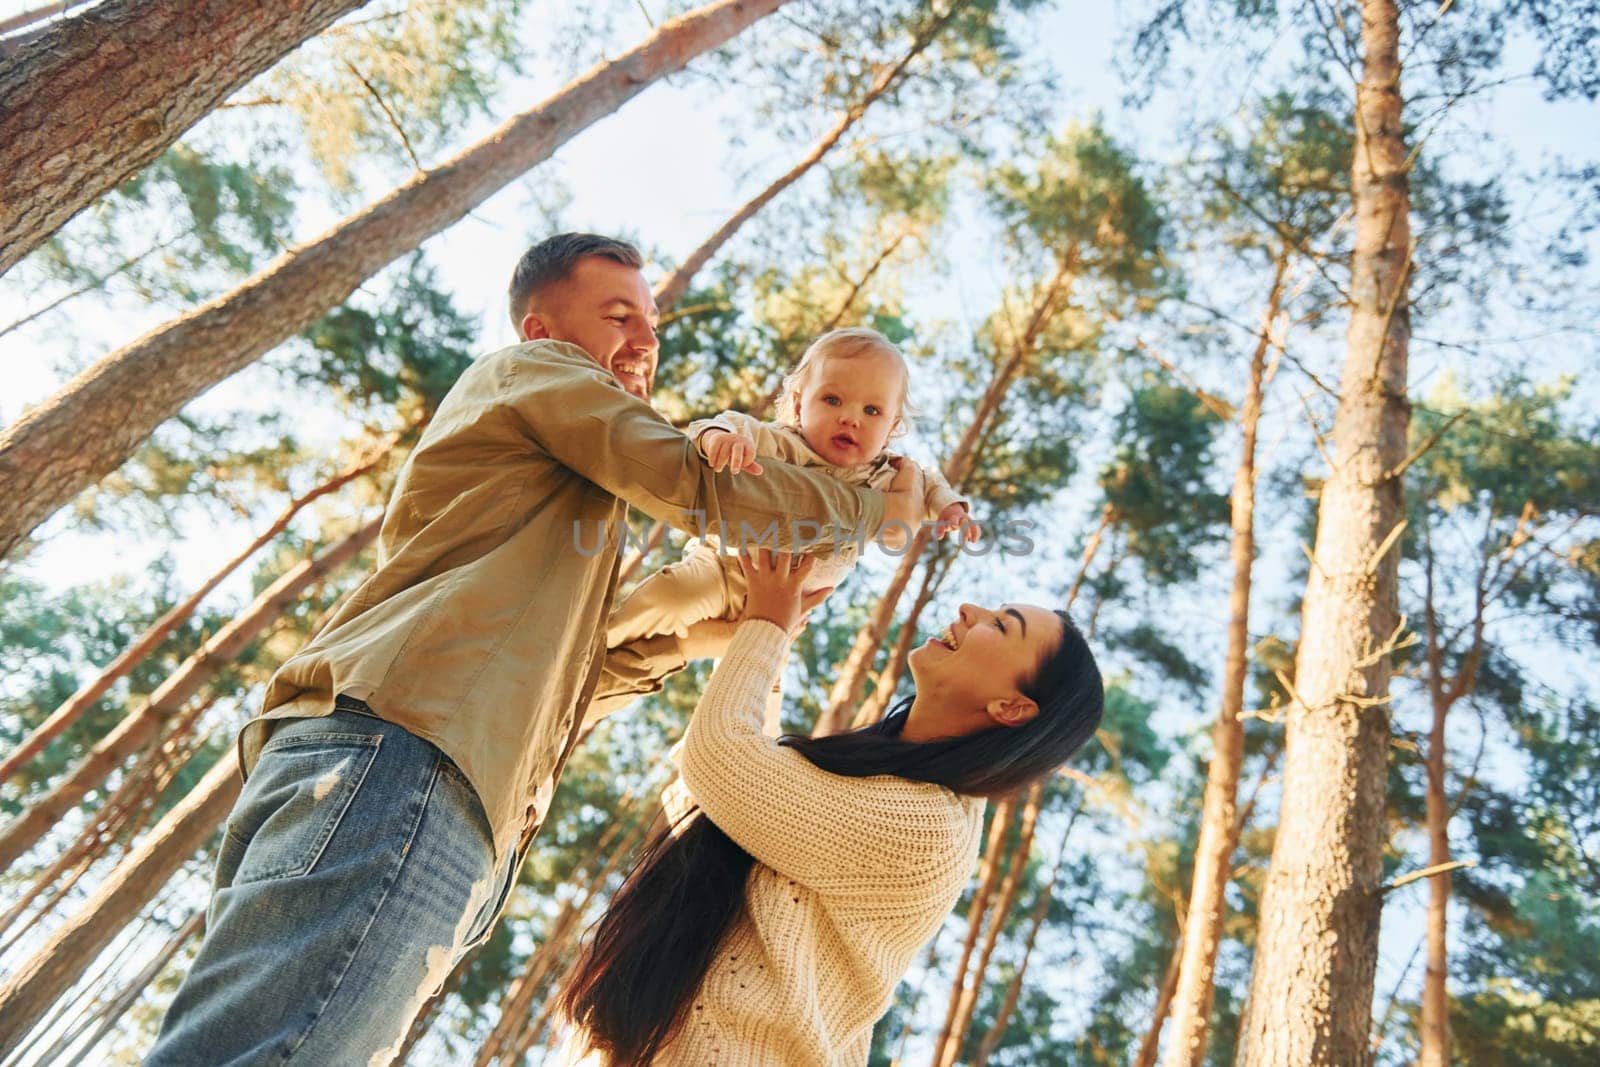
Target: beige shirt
(852, 876)
(482, 629)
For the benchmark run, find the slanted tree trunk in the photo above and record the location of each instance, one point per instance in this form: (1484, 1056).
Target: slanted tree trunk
(134, 883)
(1310, 996)
(1444, 692)
(988, 876)
(1041, 908)
(1219, 827)
(677, 283)
(87, 429)
(74, 707)
(504, 1042)
(23, 832)
(956, 1028)
(94, 98)
(114, 1009)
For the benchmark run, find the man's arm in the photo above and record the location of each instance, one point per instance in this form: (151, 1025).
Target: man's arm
(581, 417)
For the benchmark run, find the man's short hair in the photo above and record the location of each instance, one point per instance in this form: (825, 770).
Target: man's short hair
(552, 260)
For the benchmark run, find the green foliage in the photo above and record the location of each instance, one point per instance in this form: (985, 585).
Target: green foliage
(50, 643)
(404, 350)
(216, 218)
(397, 82)
(1079, 204)
(1158, 482)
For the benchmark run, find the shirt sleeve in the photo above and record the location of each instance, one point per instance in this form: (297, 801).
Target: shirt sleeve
(826, 830)
(937, 492)
(581, 417)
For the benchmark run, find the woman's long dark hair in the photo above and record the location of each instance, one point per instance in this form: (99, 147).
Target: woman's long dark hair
(634, 982)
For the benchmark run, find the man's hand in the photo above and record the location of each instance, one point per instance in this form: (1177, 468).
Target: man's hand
(955, 520)
(902, 507)
(724, 448)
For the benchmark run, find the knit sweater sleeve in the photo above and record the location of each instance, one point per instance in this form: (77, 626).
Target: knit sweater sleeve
(820, 828)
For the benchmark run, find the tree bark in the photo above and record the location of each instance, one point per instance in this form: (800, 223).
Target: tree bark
(1219, 825)
(1041, 908)
(61, 961)
(988, 874)
(968, 1001)
(73, 708)
(96, 421)
(1310, 997)
(1169, 989)
(125, 998)
(96, 97)
(671, 290)
(23, 832)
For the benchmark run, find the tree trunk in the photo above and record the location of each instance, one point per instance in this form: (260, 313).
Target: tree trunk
(1219, 828)
(1041, 908)
(991, 937)
(123, 815)
(988, 874)
(26, 829)
(677, 283)
(114, 1009)
(80, 702)
(1310, 996)
(60, 962)
(96, 421)
(1169, 989)
(96, 97)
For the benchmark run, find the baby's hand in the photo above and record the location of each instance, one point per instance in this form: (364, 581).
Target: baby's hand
(955, 520)
(725, 448)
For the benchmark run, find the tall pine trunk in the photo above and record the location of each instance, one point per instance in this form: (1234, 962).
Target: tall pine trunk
(59, 963)
(1219, 827)
(87, 429)
(74, 707)
(1310, 996)
(96, 97)
(677, 283)
(23, 832)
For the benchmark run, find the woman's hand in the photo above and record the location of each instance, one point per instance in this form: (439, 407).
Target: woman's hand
(776, 581)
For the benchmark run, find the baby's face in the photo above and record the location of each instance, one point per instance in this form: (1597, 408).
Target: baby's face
(848, 407)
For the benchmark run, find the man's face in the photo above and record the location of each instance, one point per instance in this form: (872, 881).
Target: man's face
(605, 308)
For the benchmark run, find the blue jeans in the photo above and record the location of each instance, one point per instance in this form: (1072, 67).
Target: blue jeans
(356, 870)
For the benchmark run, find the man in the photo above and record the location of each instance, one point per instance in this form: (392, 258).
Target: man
(408, 754)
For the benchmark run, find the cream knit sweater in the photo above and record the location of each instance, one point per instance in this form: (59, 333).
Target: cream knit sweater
(852, 876)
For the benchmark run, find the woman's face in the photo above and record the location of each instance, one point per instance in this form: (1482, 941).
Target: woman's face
(969, 676)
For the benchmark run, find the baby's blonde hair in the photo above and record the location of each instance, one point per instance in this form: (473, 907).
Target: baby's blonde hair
(852, 342)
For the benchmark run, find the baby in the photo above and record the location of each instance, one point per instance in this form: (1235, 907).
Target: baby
(837, 410)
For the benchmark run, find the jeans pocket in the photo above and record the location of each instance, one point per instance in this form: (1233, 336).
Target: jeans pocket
(292, 803)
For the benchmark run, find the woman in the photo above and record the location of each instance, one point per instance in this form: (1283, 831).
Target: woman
(772, 925)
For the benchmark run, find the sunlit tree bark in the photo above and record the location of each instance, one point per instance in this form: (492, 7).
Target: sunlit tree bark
(1310, 996)
(95, 97)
